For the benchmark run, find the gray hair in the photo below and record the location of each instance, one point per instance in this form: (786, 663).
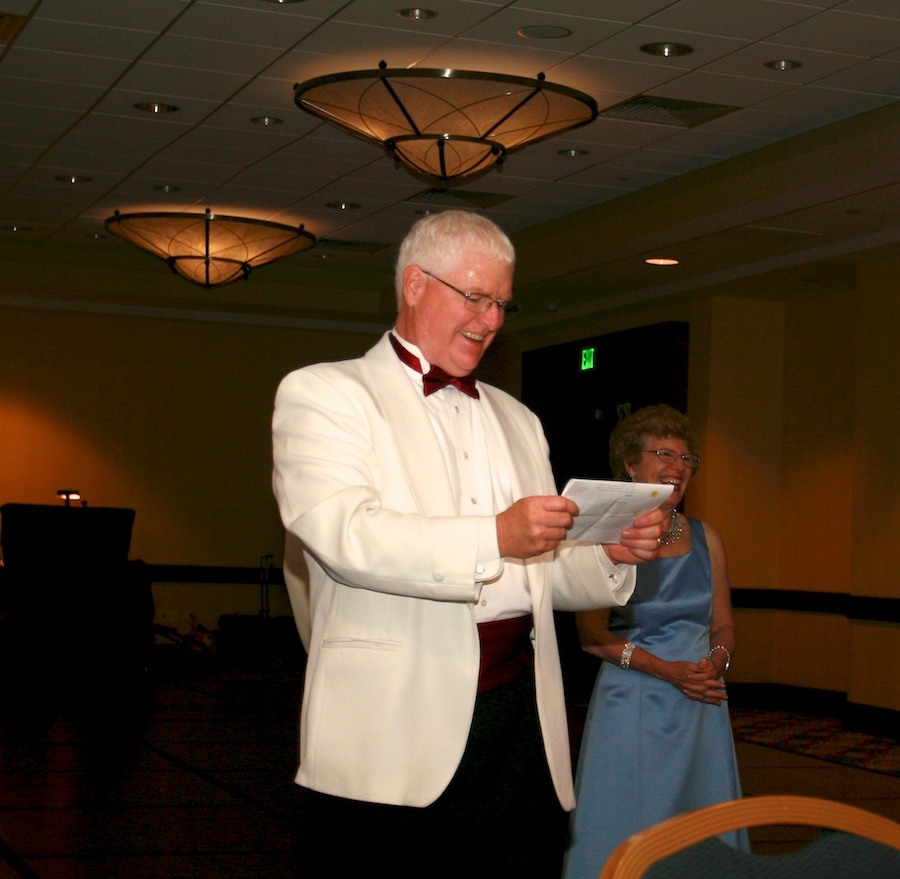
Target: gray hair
(437, 242)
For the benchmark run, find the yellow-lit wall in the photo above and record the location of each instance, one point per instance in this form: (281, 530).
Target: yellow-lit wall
(170, 418)
(796, 396)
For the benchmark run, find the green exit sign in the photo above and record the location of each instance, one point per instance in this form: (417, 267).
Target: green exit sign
(587, 358)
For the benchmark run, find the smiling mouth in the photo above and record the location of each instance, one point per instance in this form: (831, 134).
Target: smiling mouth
(475, 337)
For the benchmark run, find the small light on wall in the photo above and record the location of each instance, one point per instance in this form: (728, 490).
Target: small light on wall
(661, 261)
(67, 495)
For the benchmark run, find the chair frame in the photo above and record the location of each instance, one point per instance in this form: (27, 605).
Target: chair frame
(633, 857)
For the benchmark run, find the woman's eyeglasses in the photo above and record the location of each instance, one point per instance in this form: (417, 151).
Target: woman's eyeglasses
(669, 456)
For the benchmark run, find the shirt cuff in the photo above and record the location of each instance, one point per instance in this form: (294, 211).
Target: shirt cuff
(488, 564)
(619, 575)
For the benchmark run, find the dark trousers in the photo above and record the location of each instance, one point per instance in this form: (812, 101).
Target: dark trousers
(499, 814)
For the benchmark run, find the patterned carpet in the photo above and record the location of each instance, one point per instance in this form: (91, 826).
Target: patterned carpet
(821, 737)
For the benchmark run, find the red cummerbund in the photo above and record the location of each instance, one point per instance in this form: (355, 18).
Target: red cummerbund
(506, 651)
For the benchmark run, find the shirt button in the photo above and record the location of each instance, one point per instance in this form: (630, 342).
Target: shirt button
(479, 569)
(474, 500)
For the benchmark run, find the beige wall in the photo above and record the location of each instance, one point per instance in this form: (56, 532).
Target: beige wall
(170, 418)
(795, 395)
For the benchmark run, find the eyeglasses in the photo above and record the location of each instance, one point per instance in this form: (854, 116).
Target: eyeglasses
(668, 456)
(480, 303)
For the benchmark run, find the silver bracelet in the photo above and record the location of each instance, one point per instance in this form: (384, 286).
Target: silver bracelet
(725, 651)
(625, 658)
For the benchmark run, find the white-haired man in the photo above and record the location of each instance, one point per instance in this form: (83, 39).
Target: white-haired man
(425, 558)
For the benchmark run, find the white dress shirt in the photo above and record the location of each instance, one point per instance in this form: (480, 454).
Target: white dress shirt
(471, 452)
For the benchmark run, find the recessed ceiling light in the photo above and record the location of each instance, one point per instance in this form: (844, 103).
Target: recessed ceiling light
(572, 153)
(544, 32)
(267, 120)
(73, 178)
(783, 65)
(284, 1)
(661, 261)
(167, 187)
(15, 228)
(343, 205)
(155, 107)
(416, 13)
(667, 50)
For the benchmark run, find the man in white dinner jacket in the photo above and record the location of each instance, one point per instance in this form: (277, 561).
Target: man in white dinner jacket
(424, 559)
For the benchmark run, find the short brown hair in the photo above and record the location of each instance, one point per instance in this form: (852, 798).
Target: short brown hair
(626, 442)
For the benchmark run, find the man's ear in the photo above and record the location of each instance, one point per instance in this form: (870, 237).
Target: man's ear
(414, 281)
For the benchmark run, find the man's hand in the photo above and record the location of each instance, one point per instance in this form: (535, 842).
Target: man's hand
(535, 525)
(640, 542)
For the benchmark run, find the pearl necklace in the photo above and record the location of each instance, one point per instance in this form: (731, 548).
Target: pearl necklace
(675, 529)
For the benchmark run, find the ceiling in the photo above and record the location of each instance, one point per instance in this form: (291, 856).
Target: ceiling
(795, 185)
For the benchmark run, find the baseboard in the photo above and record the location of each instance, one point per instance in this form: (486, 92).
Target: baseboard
(884, 722)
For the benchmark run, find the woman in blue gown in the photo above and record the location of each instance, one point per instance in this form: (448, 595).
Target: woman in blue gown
(657, 739)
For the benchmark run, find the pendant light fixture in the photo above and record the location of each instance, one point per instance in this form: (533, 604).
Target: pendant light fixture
(445, 127)
(210, 249)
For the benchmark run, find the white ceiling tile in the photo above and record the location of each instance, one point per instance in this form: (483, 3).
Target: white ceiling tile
(610, 81)
(166, 83)
(620, 132)
(95, 41)
(881, 8)
(526, 61)
(707, 142)
(614, 176)
(750, 61)
(452, 17)
(830, 103)
(259, 26)
(75, 97)
(138, 16)
(503, 28)
(746, 19)
(360, 47)
(318, 9)
(192, 53)
(60, 67)
(875, 77)
(766, 124)
(626, 46)
(839, 31)
(667, 161)
(629, 11)
(720, 88)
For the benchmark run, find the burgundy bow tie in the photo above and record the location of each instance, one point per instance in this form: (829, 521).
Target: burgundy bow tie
(435, 378)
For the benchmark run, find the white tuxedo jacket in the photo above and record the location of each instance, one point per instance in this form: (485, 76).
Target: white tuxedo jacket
(381, 576)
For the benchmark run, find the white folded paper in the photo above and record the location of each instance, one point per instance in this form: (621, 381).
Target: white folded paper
(607, 507)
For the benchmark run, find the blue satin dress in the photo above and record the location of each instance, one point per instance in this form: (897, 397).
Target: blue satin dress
(648, 753)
